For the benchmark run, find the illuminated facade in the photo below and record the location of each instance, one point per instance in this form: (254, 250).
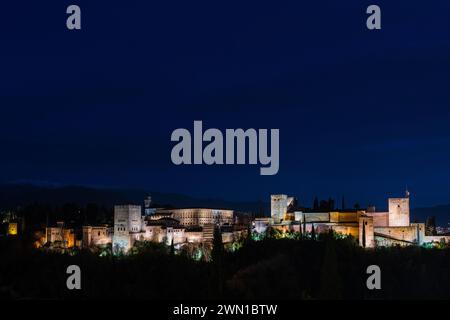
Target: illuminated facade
(197, 216)
(177, 226)
(127, 226)
(59, 235)
(399, 212)
(371, 228)
(279, 204)
(12, 228)
(165, 230)
(96, 236)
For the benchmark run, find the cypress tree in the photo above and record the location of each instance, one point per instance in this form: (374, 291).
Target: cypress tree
(316, 204)
(300, 230)
(330, 204)
(300, 233)
(249, 234)
(172, 248)
(217, 250)
(313, 232)
(331, 233)
(364, 234)
(216, 256)
(304, 226)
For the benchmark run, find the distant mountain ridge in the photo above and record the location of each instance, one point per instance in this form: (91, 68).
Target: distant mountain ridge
(22, 194)
(14, 195)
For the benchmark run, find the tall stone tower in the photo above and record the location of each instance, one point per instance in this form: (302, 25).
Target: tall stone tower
(127, 220)
(399, 212)
(279, 204)
(87, 236)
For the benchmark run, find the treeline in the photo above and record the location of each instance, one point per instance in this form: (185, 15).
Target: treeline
(326, 268)
(37, 215)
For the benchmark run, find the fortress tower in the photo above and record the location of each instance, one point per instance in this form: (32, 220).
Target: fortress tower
(127, 220)
(399, 211)
(279, 204)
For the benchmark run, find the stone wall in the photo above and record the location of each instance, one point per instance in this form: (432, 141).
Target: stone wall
(346, 229)
(189, 217)
(337, 217)
(380, 219)
(316, 217)
(408, 234)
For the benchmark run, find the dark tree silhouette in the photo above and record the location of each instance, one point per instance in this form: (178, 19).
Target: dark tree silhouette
(217, 250)
(300, 230)
(364, 234)
(304, 226)
(330, 204)
(249, 233)
(217, 258)
(430, 226)
(316, 204)
(322, 269)
(172, 248)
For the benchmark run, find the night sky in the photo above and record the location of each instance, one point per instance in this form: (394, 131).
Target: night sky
(361, 113)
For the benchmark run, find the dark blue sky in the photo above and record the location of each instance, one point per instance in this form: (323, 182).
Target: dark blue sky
(360, 113)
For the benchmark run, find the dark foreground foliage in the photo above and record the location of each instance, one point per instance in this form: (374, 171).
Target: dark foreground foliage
(270, 269)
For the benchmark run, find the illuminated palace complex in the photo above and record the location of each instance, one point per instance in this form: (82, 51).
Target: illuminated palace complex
(370, 227)
(196, 225)
(177, 226)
